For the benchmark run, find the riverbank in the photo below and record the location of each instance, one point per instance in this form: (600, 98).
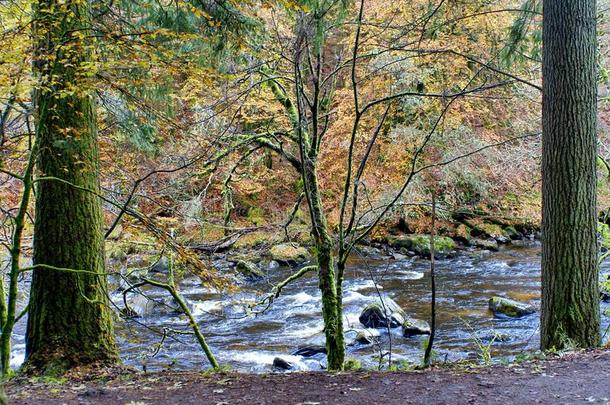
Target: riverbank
(567, 378)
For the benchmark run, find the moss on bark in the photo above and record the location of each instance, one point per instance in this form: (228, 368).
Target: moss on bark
(69, 319)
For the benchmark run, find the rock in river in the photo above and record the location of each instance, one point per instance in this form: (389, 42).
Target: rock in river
(308, 351)
(376, 315)
(282, 364)
(487, 244)
(367, 336)
(508, 307)
(420, 244)
(249, 270)
(289, 253)
(414, 327)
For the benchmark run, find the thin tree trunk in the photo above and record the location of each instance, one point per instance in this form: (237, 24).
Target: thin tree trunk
(331, 303)
(570, 299)
(9, 316)
(69, 320)
(429, 347)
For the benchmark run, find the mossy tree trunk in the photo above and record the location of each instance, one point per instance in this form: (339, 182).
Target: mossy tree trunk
(309, 122)
(69, 320)
(570, 298)
(331, 300)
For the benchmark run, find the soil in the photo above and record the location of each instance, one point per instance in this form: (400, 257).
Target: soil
(565, 379)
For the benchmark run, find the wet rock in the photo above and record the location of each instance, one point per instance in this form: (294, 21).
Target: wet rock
(512, 233)
(414, 327)
(487, 244)
(244, 258)
(508, 307)
(370, 252)
(160, 266)
(376, 315)
(309, 351)
(367, 336)
(420, 244)
(487, 230)
(282, 364)
(273, 265)
(289, 253)
(502, 239)
(399, 241)
(399, 257)
(249, 270)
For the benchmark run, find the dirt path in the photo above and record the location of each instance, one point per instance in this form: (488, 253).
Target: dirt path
(574, 378)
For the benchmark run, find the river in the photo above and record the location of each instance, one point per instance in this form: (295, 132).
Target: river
(465, 326)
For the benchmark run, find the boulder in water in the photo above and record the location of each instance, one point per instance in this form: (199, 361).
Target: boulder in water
(309, 351)
(160, 266)
(249, 270)
(367, 336)
(399, 241)
(289, 253)
(282, 364)
(512, 233)
(488, 244)
(508, 307)
(378, 315)
(414, 327)
(420, 244)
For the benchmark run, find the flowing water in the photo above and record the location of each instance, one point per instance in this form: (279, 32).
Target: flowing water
(250, 343)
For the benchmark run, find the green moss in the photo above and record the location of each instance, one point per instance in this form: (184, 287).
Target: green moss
(352, 365)
(511, 232)
(255, 215)
(463, 232)
(249, 270)
(116, 251)
(491, 230)
(421, 244)
(300, 216)
(51, 379)
(508, 307)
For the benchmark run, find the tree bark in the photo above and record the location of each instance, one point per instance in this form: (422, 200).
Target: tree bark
(69, 320)
(570, 298)
(331, 300)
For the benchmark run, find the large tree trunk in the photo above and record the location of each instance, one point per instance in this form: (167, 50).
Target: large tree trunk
(69, 321)
(570, 298)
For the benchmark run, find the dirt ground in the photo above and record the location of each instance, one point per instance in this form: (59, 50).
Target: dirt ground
(568, 379)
